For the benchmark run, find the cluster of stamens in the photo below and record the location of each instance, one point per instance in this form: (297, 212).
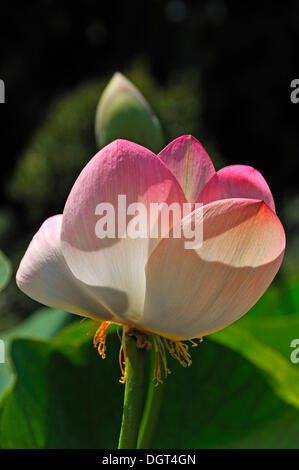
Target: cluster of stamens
(179, 350)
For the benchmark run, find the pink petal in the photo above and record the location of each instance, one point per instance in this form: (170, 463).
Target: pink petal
(239, 181)
(195, 292)
(121, 168)
(44, 276)
(190, 164)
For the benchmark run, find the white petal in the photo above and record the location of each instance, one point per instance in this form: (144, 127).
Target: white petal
(44, 276)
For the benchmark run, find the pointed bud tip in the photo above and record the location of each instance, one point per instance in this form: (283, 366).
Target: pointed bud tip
(123, 112)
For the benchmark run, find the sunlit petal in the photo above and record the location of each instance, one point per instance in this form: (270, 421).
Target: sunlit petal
(195, 292)
(190, 164)
(237, 181)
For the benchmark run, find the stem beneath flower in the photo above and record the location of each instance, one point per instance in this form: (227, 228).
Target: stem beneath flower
(133, 399)
(151, 409)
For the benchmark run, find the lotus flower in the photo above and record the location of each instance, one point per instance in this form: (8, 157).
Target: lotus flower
(154, 286)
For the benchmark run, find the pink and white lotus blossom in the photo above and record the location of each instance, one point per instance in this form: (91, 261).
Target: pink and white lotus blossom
(156, 286)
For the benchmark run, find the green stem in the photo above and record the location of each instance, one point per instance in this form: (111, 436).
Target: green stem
(151, 409)
(133, 399)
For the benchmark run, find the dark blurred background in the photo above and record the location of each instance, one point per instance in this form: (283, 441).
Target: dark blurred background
(218, 69)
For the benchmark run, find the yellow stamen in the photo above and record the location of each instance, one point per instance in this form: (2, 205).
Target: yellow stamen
(99, 339)
(122, 363)
(160, 355)
(91, 330)
(179, 351)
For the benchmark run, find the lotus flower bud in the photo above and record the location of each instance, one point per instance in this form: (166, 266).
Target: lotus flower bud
(124, 113)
